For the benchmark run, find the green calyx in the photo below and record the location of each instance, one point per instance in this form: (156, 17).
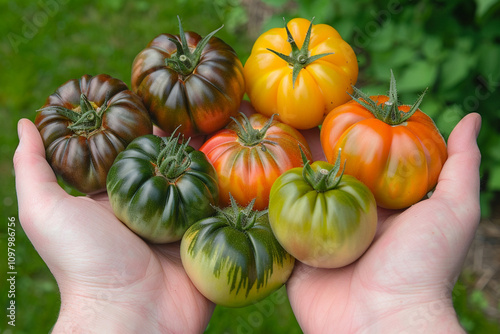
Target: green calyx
(299, 58)
(241, 219)
(389, 111)
(85, 118)
(248, 135)
(184, 61)
(173, 159)
(323, 179)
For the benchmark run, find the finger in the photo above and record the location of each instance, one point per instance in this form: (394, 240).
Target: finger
(36, 183)
(159, 132)
(29, 154)
(459, 179)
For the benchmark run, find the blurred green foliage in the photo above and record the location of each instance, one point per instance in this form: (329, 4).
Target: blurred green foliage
(452, 47)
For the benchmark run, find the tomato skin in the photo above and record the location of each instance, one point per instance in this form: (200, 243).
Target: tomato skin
(319, 87)
(155, 207)
(201, 102)
(234, 267)
(399, 163)
(248, 172)
(325, 229)
(82, 159)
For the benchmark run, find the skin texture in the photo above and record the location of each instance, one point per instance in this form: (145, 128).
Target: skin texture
(112, 281)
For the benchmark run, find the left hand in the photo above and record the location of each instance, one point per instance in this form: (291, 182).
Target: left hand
(110, 279)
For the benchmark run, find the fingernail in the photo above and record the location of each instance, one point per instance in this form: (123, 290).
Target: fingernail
(20, 128)
(479, 121)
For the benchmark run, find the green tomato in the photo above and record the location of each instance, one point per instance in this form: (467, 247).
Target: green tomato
(322, 219)
(159, 187)
(233, 258)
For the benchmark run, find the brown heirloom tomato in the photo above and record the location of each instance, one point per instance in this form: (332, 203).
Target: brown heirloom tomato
(250, 154)
(190, 81)
(85, 124)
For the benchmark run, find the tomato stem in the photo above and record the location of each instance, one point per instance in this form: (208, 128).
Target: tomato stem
(247, 134)
(389, 111)
(322, 179)
(238, 217)
(86, 118)
(299, 58)
(183, 60)
(173, 160)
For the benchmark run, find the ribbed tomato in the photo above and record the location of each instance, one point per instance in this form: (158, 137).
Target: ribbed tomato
(321, 218)
(233, 258)
(396, 150)
(249, 156)
(300, 72)
(189, 81)
(85, 124)
(159, 187)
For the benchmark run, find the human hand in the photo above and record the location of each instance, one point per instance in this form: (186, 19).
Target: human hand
(110, 280)
(403, 282)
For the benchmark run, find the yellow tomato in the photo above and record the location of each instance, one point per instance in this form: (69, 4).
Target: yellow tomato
(300, 72)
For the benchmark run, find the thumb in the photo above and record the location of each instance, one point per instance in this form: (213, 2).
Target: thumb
(458, 184)
(459, 179)
(36, 184)
(29, 159)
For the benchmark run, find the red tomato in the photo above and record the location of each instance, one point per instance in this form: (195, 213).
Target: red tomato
(249, 157)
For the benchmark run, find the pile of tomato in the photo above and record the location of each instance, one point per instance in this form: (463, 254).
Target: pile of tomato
(250, 201)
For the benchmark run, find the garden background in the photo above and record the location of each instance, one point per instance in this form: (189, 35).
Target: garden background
(452, 47)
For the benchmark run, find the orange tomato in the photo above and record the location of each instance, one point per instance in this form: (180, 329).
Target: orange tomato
(396, 150)
(300, 72)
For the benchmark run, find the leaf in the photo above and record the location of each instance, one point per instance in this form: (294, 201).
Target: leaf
(432, 106)
(494, 179)
(478, 298)
(448, 119)
(483, 6)
(417, 77)
(432, 47)
(384, 37)
(401, 56)
(455, 69)
(489, 63)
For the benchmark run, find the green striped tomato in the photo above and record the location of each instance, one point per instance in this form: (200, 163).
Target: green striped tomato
(233, 258)
(322, 219)
(158, 187)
